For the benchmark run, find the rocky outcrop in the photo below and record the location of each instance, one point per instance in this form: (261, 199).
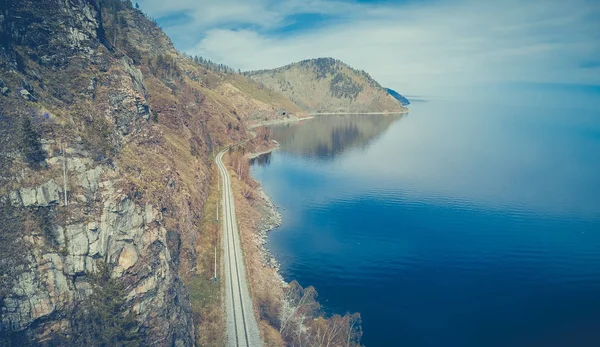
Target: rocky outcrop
(128, 236)
(75, 20)
(25, 94)
(44, 195)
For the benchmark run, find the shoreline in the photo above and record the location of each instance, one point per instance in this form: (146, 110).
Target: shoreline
(269, 288)
(292, 119)
(356, 113)
(270, 220)
(295, 119)
(258, 154)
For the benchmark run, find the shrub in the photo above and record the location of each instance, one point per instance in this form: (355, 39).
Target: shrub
(32, 147)
(342, 86)
(99, 137)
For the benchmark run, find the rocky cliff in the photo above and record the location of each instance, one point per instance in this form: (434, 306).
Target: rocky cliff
(328, 85)
(106, 135)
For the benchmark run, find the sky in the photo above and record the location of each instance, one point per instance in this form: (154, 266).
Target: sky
(429, 47)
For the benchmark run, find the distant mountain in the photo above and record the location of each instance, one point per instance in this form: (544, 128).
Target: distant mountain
(328, 85)
(398, 97)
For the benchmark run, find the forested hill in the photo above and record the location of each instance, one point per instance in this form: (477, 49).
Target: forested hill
(328, 85)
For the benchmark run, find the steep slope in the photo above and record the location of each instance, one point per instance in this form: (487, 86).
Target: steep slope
(106, 135)
(398, 96)
(328, 85)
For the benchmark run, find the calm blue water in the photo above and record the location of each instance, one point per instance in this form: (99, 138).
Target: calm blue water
(457, 225)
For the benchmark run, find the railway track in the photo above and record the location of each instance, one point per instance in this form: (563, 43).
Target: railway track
(242, 328)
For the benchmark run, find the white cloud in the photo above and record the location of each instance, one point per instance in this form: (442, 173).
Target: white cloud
(416, 49)
(264, 14)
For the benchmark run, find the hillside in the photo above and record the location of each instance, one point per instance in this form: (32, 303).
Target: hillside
(106, 141)
(328, 85)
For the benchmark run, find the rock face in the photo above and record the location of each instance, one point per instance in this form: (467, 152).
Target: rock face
(328, 85)
(123, 233)
(44, 195)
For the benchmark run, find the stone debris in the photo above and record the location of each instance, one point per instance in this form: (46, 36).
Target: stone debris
(271, 220)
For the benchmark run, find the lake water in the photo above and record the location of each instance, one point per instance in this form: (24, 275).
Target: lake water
(459, 224)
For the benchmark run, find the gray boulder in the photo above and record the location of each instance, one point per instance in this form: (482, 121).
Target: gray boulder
(48, 193)
(44, 195)
(28, 196)
(92, 86)
(137, 78)
(27, 95)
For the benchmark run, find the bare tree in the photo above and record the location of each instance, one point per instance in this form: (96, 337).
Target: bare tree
(240, 165)
(298, 306)
(302, 325)
(354, 332)
(336, 331)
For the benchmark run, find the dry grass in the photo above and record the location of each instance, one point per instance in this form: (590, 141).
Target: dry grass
(271, 336)
(258, 92)
(145, 176)
(302, 84)
(206, 296)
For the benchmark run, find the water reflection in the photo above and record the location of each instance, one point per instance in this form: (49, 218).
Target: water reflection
(474, 221)
(261, 160)
(325, 137)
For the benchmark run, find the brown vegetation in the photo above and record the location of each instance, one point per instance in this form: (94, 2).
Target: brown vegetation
(240, 165)
(206, 295)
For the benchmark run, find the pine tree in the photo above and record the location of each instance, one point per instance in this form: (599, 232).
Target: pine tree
(32, 147)
(102, 319)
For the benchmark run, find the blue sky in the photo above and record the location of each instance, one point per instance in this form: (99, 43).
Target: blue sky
(416, 47)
